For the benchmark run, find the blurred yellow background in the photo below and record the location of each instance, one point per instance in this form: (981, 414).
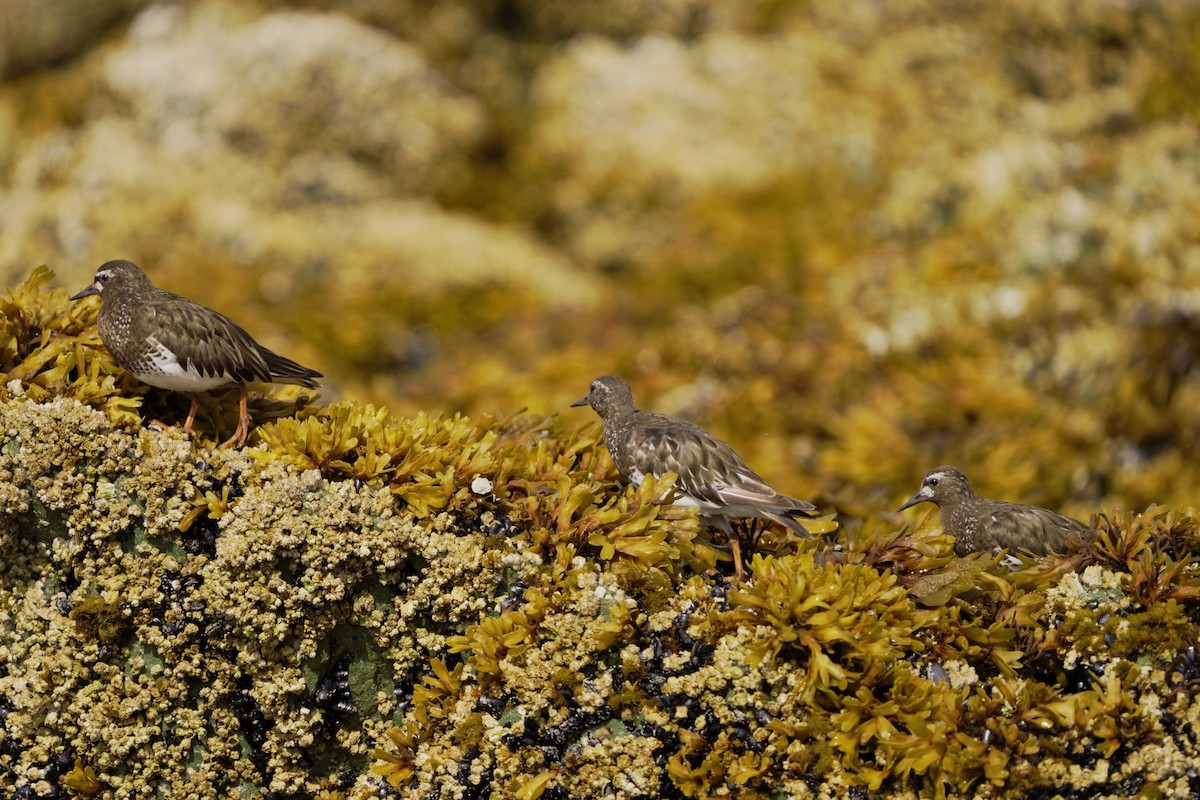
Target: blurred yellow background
(856, 240)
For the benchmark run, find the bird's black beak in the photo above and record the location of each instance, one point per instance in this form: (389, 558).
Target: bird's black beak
(87, 292)
(920, 497)
(583, 401)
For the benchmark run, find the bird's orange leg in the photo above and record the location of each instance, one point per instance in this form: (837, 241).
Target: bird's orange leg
(243, 426)
(191, 417)
(735, 544)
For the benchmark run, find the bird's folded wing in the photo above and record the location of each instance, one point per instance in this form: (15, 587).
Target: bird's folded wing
(208, 342)
(708, 469)
(1038, 530)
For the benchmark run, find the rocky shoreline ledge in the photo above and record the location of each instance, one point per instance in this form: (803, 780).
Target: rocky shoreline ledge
(360, 605)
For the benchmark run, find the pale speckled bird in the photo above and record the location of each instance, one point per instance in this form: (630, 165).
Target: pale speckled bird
(172, 343)
(981, 525)
(711, 475)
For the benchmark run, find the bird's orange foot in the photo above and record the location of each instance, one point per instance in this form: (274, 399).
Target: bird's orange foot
(243, 426)
(239, 436)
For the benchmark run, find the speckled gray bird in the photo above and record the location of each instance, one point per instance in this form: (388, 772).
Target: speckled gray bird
(981, 525)
(172, 343)
(711, 475)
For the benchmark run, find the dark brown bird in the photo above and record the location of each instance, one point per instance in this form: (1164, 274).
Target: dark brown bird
(172, 343)
(711, 475)
(978, 524)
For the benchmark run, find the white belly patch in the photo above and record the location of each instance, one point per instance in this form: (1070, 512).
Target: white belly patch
(164, 371)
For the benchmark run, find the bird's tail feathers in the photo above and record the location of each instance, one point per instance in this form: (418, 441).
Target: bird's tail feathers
(787, 520)
(801, 511)
(284, 370)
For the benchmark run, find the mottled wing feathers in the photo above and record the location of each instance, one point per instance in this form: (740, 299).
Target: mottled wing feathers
(1037, 530)
(214, 345)
(709, 470)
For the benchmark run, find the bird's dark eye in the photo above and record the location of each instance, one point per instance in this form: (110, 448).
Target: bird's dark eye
(933, 481)
(103, 276)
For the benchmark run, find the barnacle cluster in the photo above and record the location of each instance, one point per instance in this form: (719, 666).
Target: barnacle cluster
(438, 606)
(558, 490)
(988, 252)
(828, 670)
(855, 240)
